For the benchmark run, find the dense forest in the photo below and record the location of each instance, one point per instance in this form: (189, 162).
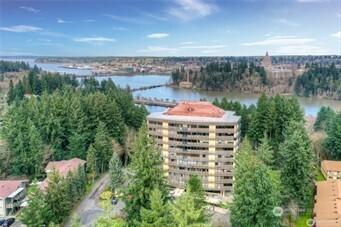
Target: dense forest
(223, 76)
(63, 121)
(320, 81)
(8, 66)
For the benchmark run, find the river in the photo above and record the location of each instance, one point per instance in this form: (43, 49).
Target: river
(310, 105)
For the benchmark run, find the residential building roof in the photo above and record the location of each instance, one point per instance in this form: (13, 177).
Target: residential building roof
(327, 209)
(328, 165)
(197, 109)
(62, 168)
(7, 187)
(65, 166)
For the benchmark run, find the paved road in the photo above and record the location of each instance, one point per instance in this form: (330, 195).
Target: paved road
(88, 210)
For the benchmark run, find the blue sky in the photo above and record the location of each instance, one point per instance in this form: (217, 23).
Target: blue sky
(169, 27)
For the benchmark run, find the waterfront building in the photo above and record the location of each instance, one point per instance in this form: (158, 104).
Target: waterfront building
(197, 138)
(331, 170)
(327, 208)
(12, 193)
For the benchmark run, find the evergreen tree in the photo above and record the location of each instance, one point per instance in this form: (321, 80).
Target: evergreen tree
(194, 186)
(297, 164)
(324, 117)
(255, 192)
(158, 214)
(185, 213)
(10, 94)
(333, 141)
(35, 213)
(265, 152)
(115, 172)
(36, 151)
(103, 148)
(147, 174)
(57, 198)
(91, 165)
(76, 146)
(260, 120)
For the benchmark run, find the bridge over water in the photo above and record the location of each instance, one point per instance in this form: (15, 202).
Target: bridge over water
(155, 102)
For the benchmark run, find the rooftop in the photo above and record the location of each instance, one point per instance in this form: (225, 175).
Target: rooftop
(198, 109)
(327, 209)
(7, 187)
(65, 166)
(328, 165)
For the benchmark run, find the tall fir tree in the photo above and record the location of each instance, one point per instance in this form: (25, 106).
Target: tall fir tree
(35, 214)
(185, 212)
(158, 214)
(115, 172)
(102, 145)
(146, 175)
(91, 165)
(57, 199)
(194, 186)
(333, 141)
(265, 152)
(297, 160)
(255, 192)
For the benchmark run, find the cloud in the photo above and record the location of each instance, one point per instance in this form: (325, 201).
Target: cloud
(280, 40)
(55, 34)
(120, 28)
(151, 49)
(126, 19)
(287, 22)
(155, 17)
(204, 47)
(301, 50)
(29, 9)
(191, 9)
(336, 35)
(187, 43)
(62, 21)
(94, 40)
(21, 28)
(89, 20)
(158, 35)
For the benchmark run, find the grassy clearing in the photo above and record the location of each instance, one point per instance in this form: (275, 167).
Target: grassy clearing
(303, 219)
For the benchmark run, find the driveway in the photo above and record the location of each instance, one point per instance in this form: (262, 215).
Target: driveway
(88, 210)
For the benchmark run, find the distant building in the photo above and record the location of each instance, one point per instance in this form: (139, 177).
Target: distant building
(327, 208)
(186, 83)
(331, 170)
(12, 193)
(197, 138)
(62, 168)
(266, 61)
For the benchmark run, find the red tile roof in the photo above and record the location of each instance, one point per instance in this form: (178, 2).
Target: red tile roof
(9, 186)
(65, 166)
(197, 109)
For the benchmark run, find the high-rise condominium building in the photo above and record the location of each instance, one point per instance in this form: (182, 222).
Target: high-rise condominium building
(197, 138)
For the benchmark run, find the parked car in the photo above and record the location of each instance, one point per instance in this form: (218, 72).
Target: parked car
(8, 222)
(114, 201)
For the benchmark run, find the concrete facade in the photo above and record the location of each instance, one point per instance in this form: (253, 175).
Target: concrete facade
(197, 145)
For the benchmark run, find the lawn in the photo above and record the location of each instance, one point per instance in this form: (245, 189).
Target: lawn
(319, 176)
(303, 219)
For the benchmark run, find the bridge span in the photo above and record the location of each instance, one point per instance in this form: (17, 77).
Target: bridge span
(155, 102)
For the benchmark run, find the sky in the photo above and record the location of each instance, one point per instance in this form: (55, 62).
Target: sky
(169, 27)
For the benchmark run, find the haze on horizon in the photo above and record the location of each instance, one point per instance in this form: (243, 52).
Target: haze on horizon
(170, 27)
